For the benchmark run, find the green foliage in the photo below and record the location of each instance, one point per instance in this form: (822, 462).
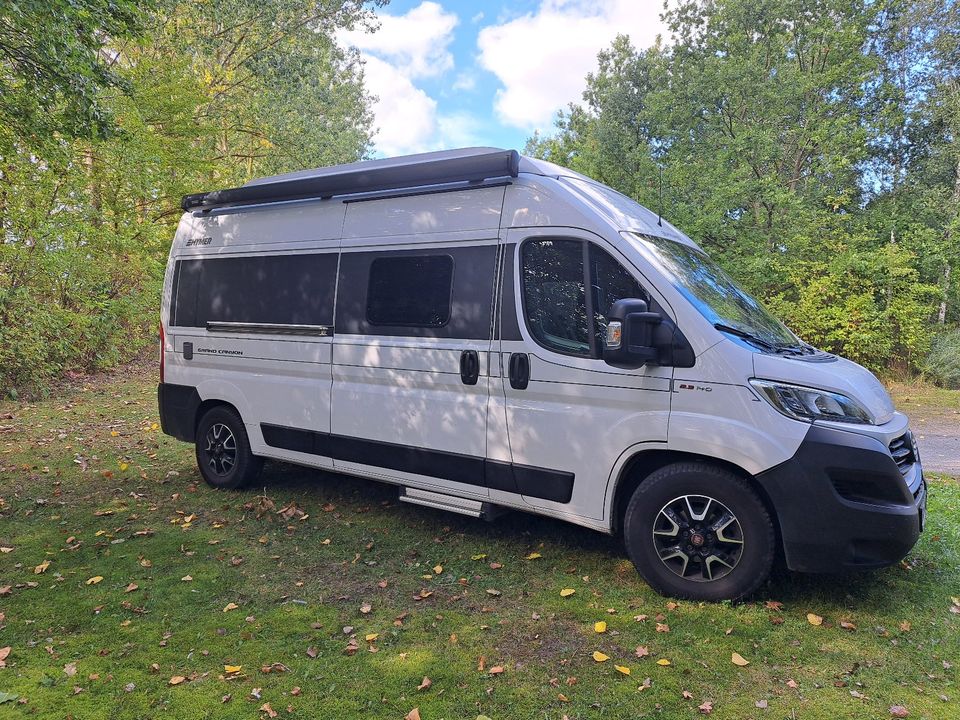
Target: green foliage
(207, 94)
(811, 147)
(54, 65)
(942, 365)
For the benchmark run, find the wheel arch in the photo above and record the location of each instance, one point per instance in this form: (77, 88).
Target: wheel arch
(643, 463)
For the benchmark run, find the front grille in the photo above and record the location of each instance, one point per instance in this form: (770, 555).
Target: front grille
(902, 450)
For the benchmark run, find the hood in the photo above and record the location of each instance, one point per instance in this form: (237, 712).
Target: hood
(840, 375)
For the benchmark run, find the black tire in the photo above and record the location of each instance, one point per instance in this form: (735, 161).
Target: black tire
(687, 547)
(223, 450)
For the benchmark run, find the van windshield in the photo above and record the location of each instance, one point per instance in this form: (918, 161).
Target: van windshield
(714, 293)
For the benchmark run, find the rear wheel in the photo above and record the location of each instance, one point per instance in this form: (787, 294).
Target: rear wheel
(223, 450)
(700, 532)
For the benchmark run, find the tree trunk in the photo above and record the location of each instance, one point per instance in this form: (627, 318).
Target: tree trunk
(942, 314)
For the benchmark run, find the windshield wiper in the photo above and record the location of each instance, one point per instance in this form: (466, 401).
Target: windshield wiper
(755, 339)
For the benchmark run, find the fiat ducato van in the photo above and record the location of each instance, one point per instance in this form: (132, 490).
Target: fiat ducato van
(488, 331)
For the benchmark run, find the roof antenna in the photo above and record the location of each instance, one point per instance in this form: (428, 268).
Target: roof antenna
(660, 199)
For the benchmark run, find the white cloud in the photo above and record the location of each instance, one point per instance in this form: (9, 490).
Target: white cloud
(465, 81)
(404, 115)
(542, 58)
(403, 49)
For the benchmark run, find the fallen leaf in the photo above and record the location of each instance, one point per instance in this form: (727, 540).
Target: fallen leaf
(186, 578)
(622, 669)
(5, 549)
(687, 695)
(176, 680)
(792, 684)
(762, 704)
(438, 569)
(370, 637)
(4, 653)
(567, 592)
(899, 711)
(534, 556)
(230, 606)
(773, 605)
(295, 690)
(42, 567)
(706, 707)
(481, 663)
(231, 669)
(641, 651)
(131, 587)
(663, 661)
(847, 625)
(905, 627)
(481, 556)
(494, 593)
(738, 659)
(95, 580)
(814, 619)
(663, 628)
(366, 608)
(599, 656)
(70, 669)
(265, 708)
(600, 627)
(425, 683)
(496, 670)
(412, 715)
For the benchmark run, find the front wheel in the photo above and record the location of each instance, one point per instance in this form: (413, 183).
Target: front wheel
(223, 450)
(699, 532)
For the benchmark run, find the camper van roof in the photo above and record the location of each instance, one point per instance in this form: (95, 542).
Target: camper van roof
(434, 168)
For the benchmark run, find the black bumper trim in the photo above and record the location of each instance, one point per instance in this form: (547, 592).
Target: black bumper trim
(825, 526)
(178, 410)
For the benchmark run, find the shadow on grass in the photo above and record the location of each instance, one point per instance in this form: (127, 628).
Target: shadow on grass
(869, 591)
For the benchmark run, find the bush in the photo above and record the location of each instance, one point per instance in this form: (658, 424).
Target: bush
(942, 364)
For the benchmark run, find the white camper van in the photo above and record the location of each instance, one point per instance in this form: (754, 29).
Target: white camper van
(490, 331)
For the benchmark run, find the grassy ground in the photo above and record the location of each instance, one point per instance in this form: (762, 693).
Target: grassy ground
(923, 401)
(121, 574)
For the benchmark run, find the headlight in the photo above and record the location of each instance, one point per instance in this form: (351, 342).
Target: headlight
(809, 404)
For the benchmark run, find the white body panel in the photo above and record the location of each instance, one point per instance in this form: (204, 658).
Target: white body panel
(403, 393)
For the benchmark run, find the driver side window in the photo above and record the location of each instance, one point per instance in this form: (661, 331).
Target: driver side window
(560, 314)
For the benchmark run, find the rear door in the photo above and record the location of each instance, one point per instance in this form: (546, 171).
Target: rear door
(569, 415)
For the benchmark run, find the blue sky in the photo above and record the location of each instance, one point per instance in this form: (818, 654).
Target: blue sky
(452, 73)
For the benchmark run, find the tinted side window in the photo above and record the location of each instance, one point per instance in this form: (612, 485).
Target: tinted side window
(554, 299)
(611, 282)
(412, 291)
(414, 285)
(280, 289)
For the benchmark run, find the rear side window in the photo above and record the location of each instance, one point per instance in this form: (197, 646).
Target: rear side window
(410, 291)
(279, 289)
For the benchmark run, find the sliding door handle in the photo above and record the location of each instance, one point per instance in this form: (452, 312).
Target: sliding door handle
(469, 367)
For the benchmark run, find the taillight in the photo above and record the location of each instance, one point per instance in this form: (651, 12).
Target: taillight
(163, 345)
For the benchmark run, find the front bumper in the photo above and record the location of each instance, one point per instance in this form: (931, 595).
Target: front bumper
(843, 503)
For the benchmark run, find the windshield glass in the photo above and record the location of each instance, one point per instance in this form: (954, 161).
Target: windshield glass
(714, 293)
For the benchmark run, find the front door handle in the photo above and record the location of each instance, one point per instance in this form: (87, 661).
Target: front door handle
(519, 371)
(469, 367)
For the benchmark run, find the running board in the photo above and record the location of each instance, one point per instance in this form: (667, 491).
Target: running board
(450, 503)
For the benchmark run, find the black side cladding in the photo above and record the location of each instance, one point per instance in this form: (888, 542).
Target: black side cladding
(534, 482)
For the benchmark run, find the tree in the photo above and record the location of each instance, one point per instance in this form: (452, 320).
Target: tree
(54, 65)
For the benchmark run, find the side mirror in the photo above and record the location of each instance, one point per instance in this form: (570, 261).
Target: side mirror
(629, 339)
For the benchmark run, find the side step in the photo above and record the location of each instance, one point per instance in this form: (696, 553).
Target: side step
(450, 503)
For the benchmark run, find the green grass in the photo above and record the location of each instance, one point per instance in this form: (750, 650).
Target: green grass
(298, 583)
